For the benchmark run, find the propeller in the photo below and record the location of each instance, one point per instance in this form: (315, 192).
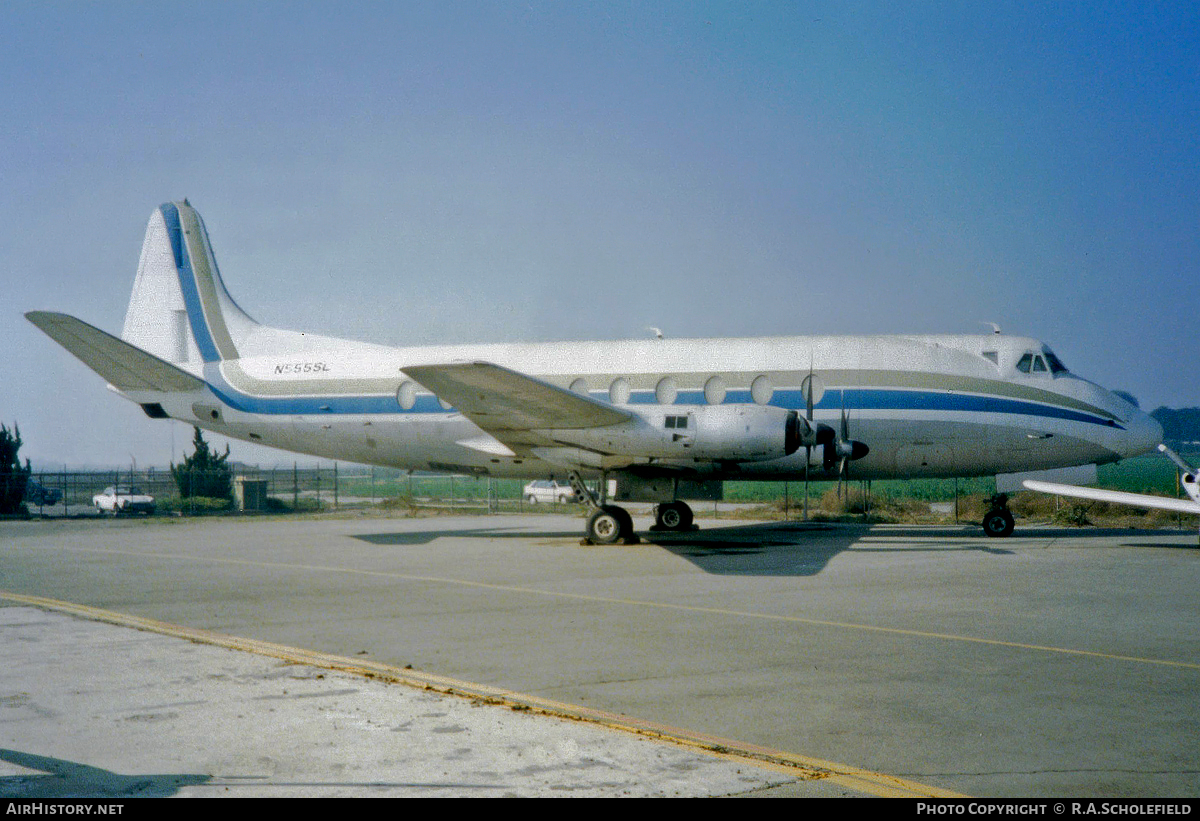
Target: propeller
(816, 434)
(841, 450)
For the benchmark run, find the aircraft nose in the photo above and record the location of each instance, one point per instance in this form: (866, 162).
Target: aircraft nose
(1143, 433)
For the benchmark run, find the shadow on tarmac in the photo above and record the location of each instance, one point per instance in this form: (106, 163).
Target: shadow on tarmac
(754, 549)
(68, 779)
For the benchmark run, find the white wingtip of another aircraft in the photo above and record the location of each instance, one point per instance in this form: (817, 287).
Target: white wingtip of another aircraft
(1189, 480)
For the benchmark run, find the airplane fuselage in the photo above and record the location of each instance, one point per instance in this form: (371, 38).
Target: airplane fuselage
(929, 406)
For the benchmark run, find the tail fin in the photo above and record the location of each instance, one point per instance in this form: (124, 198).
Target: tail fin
(180, 310)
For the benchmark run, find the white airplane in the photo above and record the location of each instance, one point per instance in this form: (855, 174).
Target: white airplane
(1189, 479)
(667, 419)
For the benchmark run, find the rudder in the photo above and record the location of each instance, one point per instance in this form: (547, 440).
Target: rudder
(179, 310)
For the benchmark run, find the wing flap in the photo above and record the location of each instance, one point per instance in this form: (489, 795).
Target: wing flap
(510, 405)
(124, 366)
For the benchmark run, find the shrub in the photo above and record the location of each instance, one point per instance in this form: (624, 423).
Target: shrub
(204, 473)
(13, 477)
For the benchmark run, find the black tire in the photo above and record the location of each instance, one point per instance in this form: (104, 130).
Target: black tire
(626, 522)
(674, 516)
(998, 523)
(608, 525)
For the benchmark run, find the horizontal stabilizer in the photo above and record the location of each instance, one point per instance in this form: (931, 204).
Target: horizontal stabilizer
(122, 365)
(1115, 496)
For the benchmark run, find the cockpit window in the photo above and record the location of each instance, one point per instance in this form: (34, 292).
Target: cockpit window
(1041, 363)
(1056, 365)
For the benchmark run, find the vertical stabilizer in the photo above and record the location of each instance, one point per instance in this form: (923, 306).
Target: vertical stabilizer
(180, 310)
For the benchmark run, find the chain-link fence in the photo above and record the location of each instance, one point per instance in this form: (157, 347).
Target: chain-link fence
(279, 489)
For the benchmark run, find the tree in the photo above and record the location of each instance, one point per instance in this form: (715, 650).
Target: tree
(1179, 424)
(13, 477)
(204, 473)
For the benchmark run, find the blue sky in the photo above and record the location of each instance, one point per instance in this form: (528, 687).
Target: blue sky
(419, 172)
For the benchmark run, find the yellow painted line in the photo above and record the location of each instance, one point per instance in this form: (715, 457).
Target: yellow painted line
(804, 768)
(742, 614)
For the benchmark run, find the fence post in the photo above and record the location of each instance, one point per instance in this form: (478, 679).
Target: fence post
(335, 486)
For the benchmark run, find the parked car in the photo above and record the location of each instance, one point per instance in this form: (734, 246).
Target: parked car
(549, 492)
(123, 499)
(38, 494)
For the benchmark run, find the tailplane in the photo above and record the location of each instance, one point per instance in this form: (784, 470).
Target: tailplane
(180, 311)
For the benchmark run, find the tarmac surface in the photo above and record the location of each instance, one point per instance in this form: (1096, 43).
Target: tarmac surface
(92, 709)
(499, 656)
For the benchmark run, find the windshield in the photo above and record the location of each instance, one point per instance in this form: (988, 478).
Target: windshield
(1041, 363)
(1056, 365)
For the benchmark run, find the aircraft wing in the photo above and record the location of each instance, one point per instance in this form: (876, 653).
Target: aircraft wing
(1116, 496)
(124, 366)
(510, 405)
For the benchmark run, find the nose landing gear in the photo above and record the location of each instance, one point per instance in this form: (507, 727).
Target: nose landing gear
(998, 523)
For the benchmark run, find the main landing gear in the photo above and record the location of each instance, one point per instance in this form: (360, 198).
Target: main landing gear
(607, 524)
(998, 522)
(610, 524)
(675, 516)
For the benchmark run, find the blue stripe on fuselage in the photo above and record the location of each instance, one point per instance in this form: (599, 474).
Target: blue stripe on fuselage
(855, 399)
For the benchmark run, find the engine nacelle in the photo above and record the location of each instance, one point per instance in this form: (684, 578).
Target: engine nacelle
(728, 433)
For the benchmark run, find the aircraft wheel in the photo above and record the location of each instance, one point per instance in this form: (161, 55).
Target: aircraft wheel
(626, 522)
(608, 525)
(998, 523)
(674, 516)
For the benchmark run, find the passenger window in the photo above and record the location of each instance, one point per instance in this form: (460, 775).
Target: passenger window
(714, 390)
(1025, 364)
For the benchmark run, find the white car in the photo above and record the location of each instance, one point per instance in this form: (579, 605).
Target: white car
(549, 492)
(123, 499)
